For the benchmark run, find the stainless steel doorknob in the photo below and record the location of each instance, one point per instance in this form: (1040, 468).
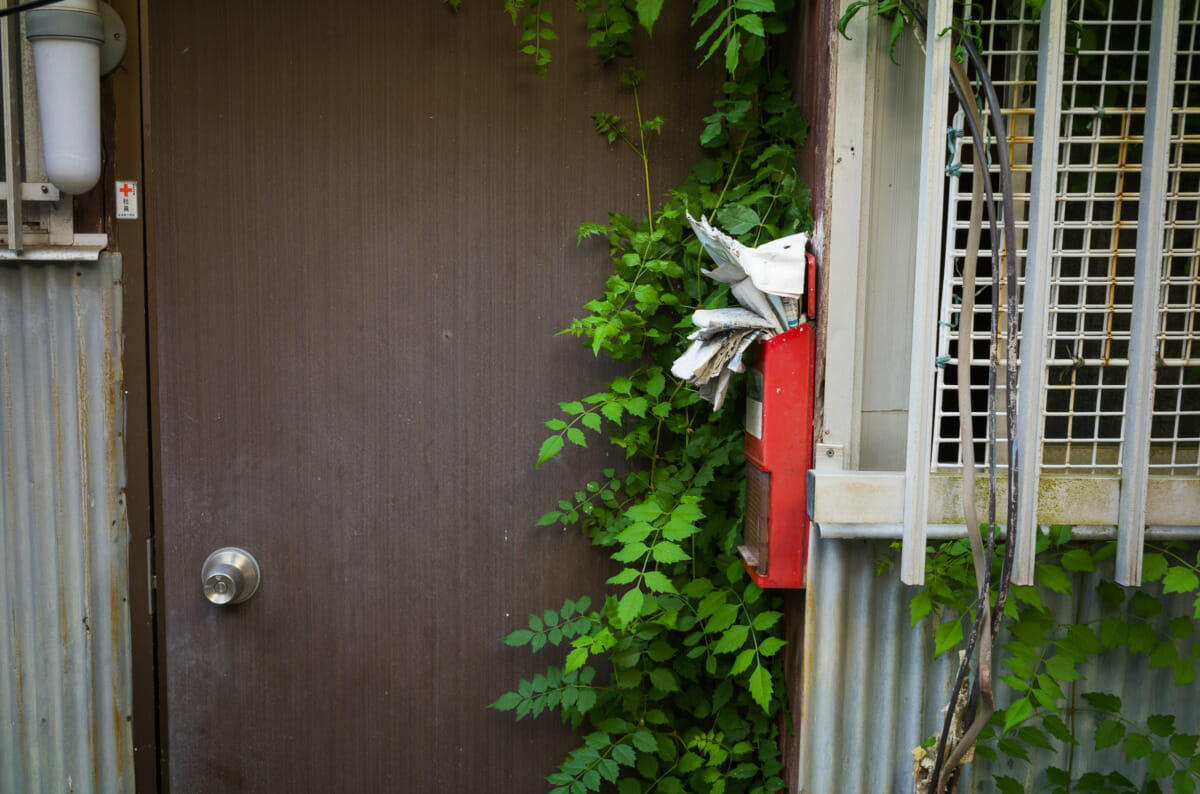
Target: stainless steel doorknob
(230, 575)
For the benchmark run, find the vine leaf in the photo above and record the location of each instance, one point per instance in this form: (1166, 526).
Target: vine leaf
(1078, 560)
(1103, 701)
(663, 679)
(1054, 578)
(1161, 724)
(1020, 710)
(732, 639)
(1184, 744)
(659, 582)
(1136, 746)
(738, 219)
(1154, 567)
(648, 11)
(770, 646)
(921, 606)
(1058, 729)
(550, 447)
(752, 24)
(507, 702)
(630, 605)
(949, 634)
(1109, 733)
(742, 662)
(518, 638)
(1009, 785)
(733, 49)
(761, 687)
(1180, 580)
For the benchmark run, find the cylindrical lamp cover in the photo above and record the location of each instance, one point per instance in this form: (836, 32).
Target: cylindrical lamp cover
(68, 86)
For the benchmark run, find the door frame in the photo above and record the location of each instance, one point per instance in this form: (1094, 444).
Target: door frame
(126, 135)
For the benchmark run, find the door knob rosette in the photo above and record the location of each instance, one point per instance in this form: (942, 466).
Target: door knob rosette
(230, 575)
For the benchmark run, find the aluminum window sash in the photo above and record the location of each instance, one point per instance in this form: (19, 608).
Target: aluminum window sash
(1035, 320)
(842, 265)
(925, 292)
(1139, 389)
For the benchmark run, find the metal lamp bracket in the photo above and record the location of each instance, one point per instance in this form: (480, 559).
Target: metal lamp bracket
(72, 23)
(112, 49)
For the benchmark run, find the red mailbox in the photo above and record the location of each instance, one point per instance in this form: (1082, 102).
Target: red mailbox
(779, 419)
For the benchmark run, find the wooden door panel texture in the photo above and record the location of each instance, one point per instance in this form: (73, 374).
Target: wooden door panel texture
(362, 225)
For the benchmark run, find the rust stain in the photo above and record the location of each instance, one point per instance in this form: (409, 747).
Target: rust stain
(79, 513)
(1122, 165)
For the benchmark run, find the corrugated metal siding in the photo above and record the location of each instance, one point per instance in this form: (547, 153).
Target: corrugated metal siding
(872, 690)
(64, 621)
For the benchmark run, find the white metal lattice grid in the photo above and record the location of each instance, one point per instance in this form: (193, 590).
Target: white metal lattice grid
(1095, 239)
(1175, 423)
(1010, 52)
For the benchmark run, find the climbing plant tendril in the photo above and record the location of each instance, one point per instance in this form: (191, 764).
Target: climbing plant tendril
(674, 681)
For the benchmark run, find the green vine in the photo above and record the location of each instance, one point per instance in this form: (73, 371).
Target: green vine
(674, 681)
(1046, 654)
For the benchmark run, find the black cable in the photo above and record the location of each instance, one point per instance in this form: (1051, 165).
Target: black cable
(996, 118)
(1010, 237)
(32, 4)
(980, 142)
(997, 123)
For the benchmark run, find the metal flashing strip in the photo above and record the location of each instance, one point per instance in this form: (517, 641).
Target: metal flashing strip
(33, 191)
(845, 504)
(84, 251)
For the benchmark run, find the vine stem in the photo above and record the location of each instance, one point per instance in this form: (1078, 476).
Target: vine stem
(637, 106)
(658, 434)
(1166, 552)
(1073, 706)
(737, 158)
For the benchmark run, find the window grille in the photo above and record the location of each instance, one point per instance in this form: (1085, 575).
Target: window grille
(1102, 107)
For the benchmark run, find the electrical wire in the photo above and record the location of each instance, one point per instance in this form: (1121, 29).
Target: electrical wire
(32, 4)
(980, 700)
(944, 763)
(982, 686)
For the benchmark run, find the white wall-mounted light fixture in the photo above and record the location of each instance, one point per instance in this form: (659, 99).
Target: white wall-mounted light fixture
(67, 38)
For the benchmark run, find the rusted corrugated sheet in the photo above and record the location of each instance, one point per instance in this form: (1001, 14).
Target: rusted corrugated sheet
(64, 622)
(872, 690)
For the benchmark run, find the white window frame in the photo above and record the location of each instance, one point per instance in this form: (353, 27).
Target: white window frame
(917, 504)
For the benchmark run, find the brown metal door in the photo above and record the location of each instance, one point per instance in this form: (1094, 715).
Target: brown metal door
(362, 219)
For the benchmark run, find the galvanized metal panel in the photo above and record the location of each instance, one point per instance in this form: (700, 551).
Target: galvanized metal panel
(64, 623)
(872, 690)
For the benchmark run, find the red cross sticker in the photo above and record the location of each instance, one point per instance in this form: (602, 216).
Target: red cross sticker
(127, 199)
